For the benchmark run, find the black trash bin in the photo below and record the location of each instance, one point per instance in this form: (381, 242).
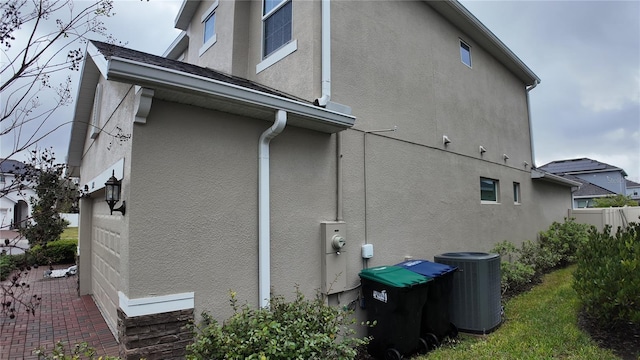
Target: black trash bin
(436, 322)
(394, 298)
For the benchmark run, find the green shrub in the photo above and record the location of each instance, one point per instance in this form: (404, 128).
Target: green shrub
(563, 239)
(6, 266)
(55, 252)
(514, 273)
(606, 278)
(539, 257)
(301, 329)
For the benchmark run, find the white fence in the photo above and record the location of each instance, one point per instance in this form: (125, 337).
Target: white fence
(71, 218)
(599, 217)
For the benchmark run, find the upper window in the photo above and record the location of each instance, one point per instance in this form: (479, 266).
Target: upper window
(208, 20)
(276, 20)
(489, 190)
(516, 193)
(209, 26)
(465, 53)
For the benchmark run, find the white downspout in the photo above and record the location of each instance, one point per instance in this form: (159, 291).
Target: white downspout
(533, 153)
(326, 54)
(326, 97)
(264, 218)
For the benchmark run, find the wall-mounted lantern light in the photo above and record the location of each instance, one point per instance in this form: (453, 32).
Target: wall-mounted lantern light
(112, 193)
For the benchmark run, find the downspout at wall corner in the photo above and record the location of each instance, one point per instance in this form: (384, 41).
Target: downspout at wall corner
(533, 152)
(264, 217)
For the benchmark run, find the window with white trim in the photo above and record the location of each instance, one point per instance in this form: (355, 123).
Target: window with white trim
(465, 53)
(489, 190)
(208, 20)
(277, 28)
(516, 193)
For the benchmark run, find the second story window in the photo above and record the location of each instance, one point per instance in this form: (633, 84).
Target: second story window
(209, 23)
(465, 53)
(209, 26)
(276, 18)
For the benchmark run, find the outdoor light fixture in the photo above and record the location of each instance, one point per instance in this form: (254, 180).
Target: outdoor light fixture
(445, 140)
(112, 193)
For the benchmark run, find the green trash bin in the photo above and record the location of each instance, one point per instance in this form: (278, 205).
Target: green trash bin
(394, 298)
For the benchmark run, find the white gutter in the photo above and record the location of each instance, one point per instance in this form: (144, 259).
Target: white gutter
(543, 175)
(326, 54)
(264, 218)
(533, 152)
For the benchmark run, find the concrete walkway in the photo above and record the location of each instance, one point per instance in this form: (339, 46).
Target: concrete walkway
(61, 316)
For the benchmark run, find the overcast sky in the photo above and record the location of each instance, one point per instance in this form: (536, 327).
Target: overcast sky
(587, 54)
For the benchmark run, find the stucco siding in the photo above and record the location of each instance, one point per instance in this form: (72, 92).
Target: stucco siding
(105, 262)
(422, 201)
(202, 168)
(406, 71)
(611, 180)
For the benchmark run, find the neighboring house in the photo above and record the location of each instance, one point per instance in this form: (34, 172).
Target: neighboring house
(15, 204)
(252, 146)
(597, 178)
(633, 190)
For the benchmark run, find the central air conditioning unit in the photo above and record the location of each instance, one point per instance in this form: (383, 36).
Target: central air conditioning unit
(475, 297)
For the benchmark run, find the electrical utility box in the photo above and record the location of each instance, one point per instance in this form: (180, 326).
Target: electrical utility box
(334, 259)
(475, 297)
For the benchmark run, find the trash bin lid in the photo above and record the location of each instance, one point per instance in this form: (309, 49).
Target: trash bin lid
(394, 276)
(427, 268)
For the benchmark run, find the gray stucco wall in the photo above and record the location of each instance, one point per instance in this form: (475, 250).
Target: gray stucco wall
(194, 223)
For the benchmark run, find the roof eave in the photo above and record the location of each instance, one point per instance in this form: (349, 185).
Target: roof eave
(457, 14)
(89, 77)
(152, 76)
(185, 14)
(537, 174)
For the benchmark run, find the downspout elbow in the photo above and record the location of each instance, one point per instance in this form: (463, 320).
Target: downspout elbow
(326, 55)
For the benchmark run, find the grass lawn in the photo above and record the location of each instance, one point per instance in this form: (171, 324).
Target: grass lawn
(540, 324)
(70, 233)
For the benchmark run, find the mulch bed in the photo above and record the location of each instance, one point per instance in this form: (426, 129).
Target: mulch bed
(622, 339)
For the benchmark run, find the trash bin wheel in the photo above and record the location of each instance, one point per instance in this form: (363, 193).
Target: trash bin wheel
(431, 340)
(453, 331)
(423, 346)
(392, 354)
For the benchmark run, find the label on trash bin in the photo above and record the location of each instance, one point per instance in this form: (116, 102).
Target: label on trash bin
(380, 295)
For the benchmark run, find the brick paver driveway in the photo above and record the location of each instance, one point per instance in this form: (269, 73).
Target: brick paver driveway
(61, 316)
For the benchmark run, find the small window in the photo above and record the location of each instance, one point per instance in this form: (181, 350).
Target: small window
(489, 190)
(277, 19)
(209, 26)
(208, 20)
(465, 53)
(516, 193)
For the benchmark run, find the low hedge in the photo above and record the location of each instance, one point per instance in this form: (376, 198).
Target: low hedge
(606, 278)
(56, 252)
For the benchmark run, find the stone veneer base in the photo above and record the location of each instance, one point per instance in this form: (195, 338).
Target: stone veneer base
(156, 336)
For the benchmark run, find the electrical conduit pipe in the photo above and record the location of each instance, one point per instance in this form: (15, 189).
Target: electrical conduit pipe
(264, 217)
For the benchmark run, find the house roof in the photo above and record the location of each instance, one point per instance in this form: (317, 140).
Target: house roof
(632, 184)
(180, 82)
(9, 166)
(587, 189)
(538, 174)
(579, 166)
(451, 10)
